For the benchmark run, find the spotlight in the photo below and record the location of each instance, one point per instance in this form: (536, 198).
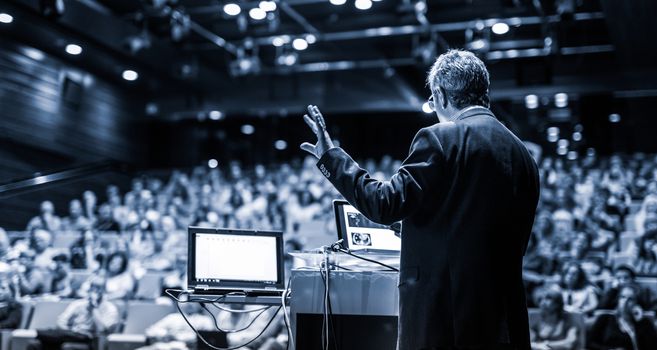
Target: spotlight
(562, 151)
(552, 137)
(363, 4)
(213, 163)
(257, 13)
(287, 59)
(563, 143)
(216, 115)
(130, 75)
(34, 54)
(247, 129)
(572, 155)
(426, 108)
(73, 49)
(6, 18)
(311, 39)
(338, 2)
(280, 145)
(232, 9)
(614, 118)
(500, 28)
(531, 101)
(299, 44)
(553, 130)
(577, 136)
(267, 6)
(561, 100)
(278, 41)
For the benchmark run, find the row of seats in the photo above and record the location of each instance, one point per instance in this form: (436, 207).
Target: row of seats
(137, 317)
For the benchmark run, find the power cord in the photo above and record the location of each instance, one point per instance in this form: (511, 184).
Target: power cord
(337, 247)
(178, 302)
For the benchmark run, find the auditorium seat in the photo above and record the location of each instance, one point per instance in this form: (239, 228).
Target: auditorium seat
(626, 238)
(149, 286)
(44, 315)
(140, 316)
(630, 223)
(64, 239)
(78, 277)
(6, 336)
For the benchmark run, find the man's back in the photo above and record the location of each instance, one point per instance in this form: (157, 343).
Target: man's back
(461, 278)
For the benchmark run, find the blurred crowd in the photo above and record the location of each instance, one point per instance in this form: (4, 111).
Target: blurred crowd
(590, 267)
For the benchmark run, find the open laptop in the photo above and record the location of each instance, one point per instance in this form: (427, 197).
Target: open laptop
(360, 234)
(229, 260)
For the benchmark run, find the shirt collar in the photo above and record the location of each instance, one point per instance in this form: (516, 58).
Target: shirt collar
(472, 111)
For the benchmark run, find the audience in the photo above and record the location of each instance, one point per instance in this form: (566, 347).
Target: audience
(587, 208)
(11, 311)
(82, 321)
(173, 332)
(554, 329)
(626, 328)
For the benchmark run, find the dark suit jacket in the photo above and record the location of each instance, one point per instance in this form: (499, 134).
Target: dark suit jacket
(467, 195)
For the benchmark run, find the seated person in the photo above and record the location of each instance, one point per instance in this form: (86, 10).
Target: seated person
(82, 321)
(626, 329)
(624, 275)
(578, 294)
(32, 280)
(554, 330)
(173, 332)
(11, 311)
(120, 280)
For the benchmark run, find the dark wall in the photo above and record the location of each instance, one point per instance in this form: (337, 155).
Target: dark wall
(54, 116)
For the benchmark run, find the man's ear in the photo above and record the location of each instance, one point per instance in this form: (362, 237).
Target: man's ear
(442, 97)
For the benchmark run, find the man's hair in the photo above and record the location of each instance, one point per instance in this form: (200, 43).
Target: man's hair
(462, 76)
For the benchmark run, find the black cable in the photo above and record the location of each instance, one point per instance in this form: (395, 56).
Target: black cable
(216, 324)
(178, 302)
(230, 348)
(342, 250)
(330, 308)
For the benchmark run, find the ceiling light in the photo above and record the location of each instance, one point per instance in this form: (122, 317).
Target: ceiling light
(363, 4)
(212, 163)
(6, 18)
(338, 2)
(278, 41)
(232, 9)
(130, 75)
(73, 49)
(257, 13)
(561, 100)
(577, 136)
(216, 115)
(531, 101)
(563, 143)
(299, 44)
(280, 145)
(614, 117)
(247, 129)
(426, 108)
(311, 39)
(572, 155)
(500, 28)
(267, 5)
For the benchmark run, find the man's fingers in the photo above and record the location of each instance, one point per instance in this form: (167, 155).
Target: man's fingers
(317, 116)
(311, 123)
(308, 147)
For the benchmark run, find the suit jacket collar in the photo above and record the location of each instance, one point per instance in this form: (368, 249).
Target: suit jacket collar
(472, 111)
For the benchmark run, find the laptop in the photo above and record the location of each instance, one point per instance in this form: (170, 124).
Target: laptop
(360, 234)
(223, 261)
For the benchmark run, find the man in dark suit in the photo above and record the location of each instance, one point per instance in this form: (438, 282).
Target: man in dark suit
(466, 195)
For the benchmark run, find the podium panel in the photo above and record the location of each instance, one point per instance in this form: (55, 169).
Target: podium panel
(364, 305)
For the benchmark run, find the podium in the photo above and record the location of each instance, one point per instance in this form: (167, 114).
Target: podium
(364, 304)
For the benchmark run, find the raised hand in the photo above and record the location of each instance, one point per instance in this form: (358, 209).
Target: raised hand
(315, 121)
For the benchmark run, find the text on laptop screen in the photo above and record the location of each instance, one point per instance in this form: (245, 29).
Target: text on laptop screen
(235, 257)
(362, 233)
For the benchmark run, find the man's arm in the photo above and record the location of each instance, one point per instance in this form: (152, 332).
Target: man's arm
(392, 200)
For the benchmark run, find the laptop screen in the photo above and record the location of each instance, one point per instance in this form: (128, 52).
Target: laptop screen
(361, 233)
(235, 259)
